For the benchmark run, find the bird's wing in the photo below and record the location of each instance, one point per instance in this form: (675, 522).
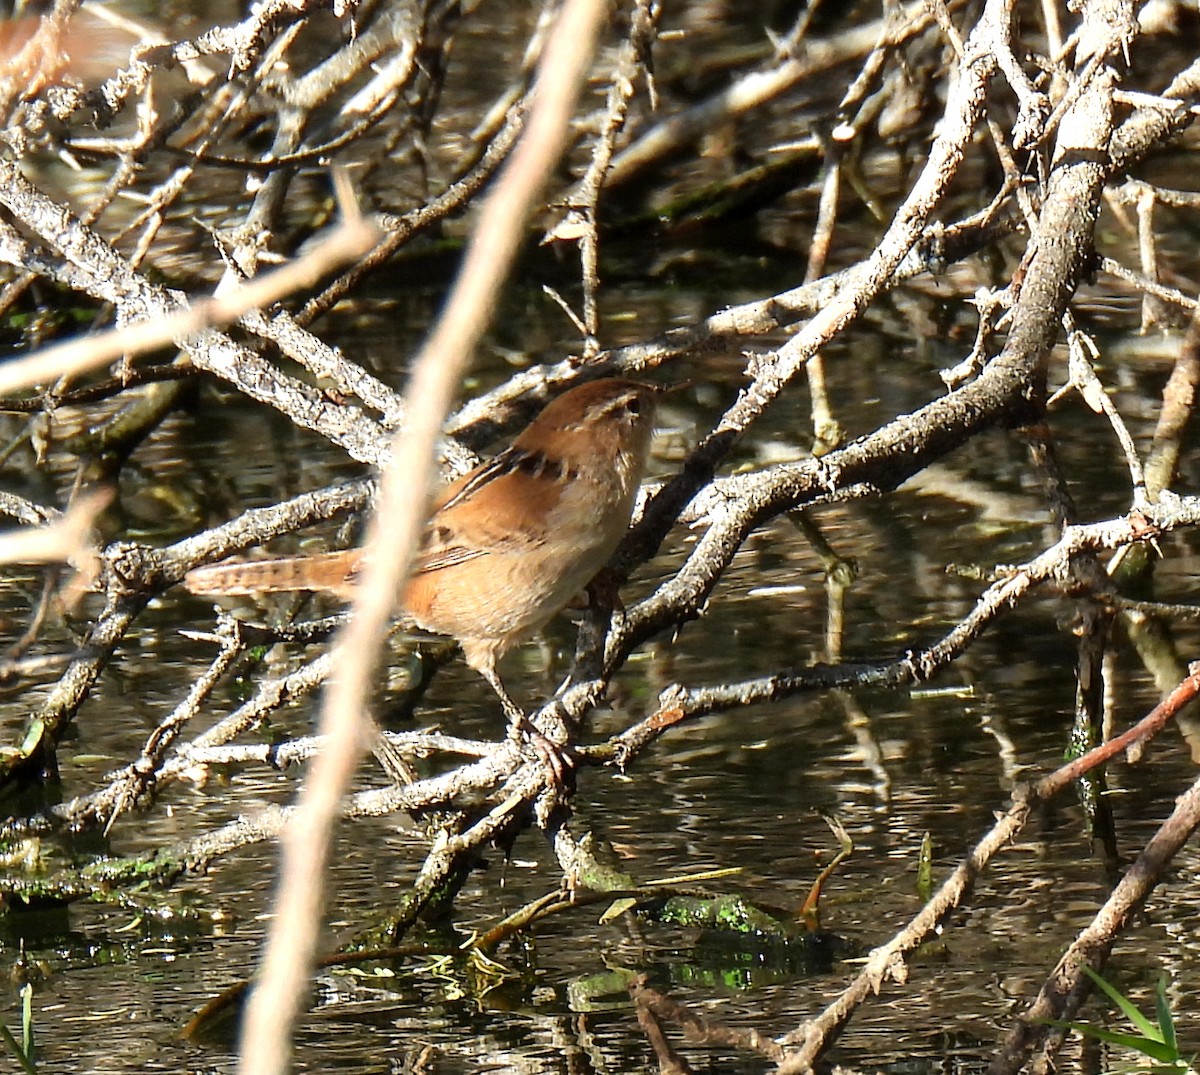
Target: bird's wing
(492, 510)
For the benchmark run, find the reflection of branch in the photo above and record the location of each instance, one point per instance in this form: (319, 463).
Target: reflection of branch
(697, 1028)
(1082, 377)
(754, 90)
(890, 960)
(132, 783)
(525, 779)
(1066, 987)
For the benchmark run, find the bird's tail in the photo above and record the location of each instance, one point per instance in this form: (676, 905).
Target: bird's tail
(329, 572)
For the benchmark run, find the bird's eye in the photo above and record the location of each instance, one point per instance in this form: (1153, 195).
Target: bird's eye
(634, 405)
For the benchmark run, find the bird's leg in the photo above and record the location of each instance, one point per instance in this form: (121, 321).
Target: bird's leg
(521, 729)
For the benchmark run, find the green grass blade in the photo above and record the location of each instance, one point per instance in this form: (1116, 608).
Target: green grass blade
(1128, 1008)
(1166, 1021)
(29, 1048)
(1148, 1047)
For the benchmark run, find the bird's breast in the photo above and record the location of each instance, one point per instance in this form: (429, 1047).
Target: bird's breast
(520, 580)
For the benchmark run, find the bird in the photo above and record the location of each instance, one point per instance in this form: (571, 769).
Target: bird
(509, 544)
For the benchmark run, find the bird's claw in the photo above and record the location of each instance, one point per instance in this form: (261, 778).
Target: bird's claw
(560, 761)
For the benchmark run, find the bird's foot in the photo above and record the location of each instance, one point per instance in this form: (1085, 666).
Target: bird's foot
(560, 761)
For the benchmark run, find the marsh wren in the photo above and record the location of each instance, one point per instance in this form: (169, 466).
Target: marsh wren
(509, 544)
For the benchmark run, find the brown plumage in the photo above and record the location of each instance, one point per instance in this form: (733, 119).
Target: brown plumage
(509, 544)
